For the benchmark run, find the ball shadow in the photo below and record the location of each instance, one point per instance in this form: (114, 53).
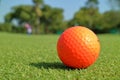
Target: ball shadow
(49, 65)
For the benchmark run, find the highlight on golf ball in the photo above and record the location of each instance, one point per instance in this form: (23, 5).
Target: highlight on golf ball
(78, 47)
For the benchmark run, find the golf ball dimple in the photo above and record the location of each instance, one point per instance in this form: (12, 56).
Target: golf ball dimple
(78, 47)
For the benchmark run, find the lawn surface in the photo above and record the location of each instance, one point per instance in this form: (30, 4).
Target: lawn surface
(24, 57)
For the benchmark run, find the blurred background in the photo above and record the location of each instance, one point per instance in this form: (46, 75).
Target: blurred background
(54, 16)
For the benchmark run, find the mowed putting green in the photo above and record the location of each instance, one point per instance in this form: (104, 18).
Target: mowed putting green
(34, 57)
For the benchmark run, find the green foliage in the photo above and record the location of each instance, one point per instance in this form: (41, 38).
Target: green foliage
(46, 19)
(110, 19)
(90, 17)
(18, 29)
(38, 14)
(9, 17)
(87, 17)
(6, 27)
(24, 16)
(20, 13)
(52, 18)
(34, 57)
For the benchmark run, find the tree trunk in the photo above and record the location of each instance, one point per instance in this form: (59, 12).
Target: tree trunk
(37, 25)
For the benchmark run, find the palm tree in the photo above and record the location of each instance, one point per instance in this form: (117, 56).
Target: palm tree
(38, 12)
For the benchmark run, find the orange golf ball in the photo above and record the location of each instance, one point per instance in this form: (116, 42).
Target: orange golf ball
(78, 47)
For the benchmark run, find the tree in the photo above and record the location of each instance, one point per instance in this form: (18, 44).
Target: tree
(88, 15)
(52, 19)
(45, 19)
(110, 20)
(6, 27)
(20, 13)
(38, 12)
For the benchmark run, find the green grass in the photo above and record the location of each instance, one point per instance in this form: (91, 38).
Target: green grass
(24, 57)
